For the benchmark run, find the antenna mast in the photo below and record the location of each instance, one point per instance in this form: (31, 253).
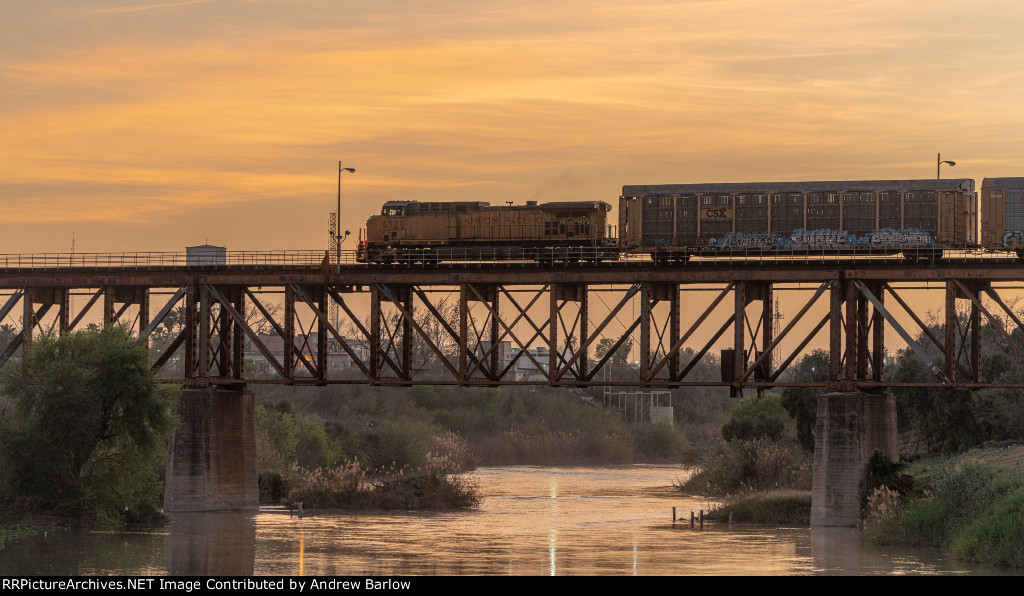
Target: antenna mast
(332, 235)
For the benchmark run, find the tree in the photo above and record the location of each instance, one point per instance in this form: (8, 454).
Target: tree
(943, 416)
(954, 420)
(7, 335)
(802, 402)
(86, 432)
(618, 363)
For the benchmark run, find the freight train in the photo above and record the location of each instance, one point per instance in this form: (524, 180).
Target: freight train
(672, 222)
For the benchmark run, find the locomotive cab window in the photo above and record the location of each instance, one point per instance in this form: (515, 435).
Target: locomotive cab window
(393, 212)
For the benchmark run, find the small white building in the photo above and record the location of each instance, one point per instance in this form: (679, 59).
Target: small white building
(205, 254)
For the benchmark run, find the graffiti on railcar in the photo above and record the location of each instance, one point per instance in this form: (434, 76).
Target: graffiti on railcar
(889, 237)
(1013, 240)
(759, 240)
(820, 239)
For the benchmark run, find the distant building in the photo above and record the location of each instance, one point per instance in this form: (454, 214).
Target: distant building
(337, 357)
(526, 370)
(504, 351)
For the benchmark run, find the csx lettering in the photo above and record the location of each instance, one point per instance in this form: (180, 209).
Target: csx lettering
(716, 213)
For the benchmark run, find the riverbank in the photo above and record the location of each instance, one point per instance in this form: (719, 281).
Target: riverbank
(17, 524)
(970, 505)
(15, 532)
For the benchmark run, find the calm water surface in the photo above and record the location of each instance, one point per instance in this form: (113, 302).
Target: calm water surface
(533, 521)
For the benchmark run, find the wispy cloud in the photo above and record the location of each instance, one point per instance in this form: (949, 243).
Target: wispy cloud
(149, 7)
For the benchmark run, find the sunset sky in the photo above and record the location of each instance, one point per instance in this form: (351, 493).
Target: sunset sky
(149, 126)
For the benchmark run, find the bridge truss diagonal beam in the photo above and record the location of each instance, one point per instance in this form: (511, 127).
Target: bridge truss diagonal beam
(918, 351)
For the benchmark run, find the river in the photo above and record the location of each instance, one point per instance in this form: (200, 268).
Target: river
(532, 521)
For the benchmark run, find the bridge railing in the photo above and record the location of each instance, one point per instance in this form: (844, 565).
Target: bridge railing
(577, 256)
(151, 260)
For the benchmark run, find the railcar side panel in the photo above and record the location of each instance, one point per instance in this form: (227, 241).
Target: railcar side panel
(1002, 216)
(829, 216)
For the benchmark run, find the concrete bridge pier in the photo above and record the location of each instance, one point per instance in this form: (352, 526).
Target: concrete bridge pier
(211, 464)
(850, 427)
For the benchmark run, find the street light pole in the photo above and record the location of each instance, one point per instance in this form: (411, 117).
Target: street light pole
(938, 164)
(337, 231)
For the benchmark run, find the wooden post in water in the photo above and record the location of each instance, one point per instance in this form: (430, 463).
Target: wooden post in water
(691, 518)
(702, 519)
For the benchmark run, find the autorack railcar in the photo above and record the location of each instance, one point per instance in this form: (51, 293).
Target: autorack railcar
(1002, 215)
(919, 218)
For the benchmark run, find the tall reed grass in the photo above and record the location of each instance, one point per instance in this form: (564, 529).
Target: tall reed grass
(438, 484)
(746, 465)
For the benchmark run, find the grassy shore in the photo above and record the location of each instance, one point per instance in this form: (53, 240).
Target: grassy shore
(17, 524)
(15, 532)
(782, 506)
(971, 505)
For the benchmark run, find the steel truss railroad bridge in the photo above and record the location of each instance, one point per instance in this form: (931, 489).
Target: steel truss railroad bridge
(390, 320)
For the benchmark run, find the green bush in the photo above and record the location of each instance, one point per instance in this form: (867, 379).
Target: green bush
(403, 442)
(994, 535)
(772, 507)
(883, 471)
(285, 439)
(756, 418)
(662, 442)
(958, 493)
(276, 437)
(802, 402)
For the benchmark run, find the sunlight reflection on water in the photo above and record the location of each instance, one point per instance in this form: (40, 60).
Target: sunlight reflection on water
(532, 521)
(568, 521)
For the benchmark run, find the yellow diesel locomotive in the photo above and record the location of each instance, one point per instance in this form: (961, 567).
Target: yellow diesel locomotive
(434, 232)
